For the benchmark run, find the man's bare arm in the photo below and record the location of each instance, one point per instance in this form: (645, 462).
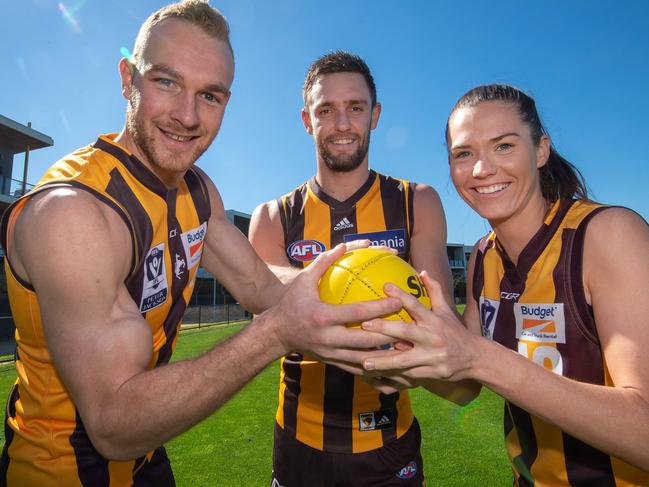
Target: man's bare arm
(228, 256)
(101, 345)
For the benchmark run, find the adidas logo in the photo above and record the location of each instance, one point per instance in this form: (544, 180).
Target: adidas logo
(384, 420)
(342, 224)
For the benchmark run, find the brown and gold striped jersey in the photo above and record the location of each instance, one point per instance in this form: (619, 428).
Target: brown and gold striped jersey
(46, 442)
(538, 308)
(321, 405)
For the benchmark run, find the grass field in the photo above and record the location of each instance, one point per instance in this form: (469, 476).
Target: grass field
(461, 446)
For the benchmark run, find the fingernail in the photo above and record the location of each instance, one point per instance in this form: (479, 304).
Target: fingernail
(388, 287)
(367, 325)
(368, 365)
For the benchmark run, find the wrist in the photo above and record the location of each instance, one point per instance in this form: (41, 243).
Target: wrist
(269, 326)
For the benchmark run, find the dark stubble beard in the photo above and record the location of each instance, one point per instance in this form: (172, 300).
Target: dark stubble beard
(344, 163)
(146, 144)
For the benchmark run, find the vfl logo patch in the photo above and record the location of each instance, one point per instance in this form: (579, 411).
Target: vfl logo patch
(540, 322)
(193, 244)
(488, 315)
(154, 287)
(305, 250)
(395, 239)
(408, 472)
(375, 420)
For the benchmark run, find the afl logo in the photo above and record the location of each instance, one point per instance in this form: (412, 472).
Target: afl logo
(407, 472)
(305, 250)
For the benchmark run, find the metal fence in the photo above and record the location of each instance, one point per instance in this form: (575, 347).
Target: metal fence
(208, 315)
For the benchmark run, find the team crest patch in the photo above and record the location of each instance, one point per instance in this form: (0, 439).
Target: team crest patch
(408, 472)
(375, 420)
(193, 244)
(488, 315)
(305, 250)
(540, 322)
(154, 287)
(395, 239)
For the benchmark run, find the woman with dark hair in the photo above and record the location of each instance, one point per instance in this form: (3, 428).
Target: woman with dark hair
(556, 304)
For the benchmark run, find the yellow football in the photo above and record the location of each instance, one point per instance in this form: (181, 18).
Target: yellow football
(359, 275)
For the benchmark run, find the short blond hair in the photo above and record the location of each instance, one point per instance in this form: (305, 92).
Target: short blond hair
(196, 12)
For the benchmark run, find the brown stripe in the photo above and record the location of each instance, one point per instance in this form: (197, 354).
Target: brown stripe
(338, 408)
(119, 189)
(292, 218)
(504, 330)
(540, 240)
(395, 212)
(178, 303)
(586, 465)
(200, 196)
(134, 166)
(292, 377)
(581, 343)
(389, 402)
(338, 385)
(156, 472)
(92, 468)
(410, 191)
(582, 311)
(527, 438)
(10, 412)
(478, 273)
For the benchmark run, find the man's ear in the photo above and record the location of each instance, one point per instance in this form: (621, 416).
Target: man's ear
(126, 73)
(306, 120)
(376, 113)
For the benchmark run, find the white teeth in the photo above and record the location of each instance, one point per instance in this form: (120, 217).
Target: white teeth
(177, 137)
(342, 141)
(494, 188)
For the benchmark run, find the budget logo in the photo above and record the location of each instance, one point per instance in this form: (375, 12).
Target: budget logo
(540, 322)
(305, 250)
(488, 315)
(193, 244)
(395, 239)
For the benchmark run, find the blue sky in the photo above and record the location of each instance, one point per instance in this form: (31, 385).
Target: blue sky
(585, 62)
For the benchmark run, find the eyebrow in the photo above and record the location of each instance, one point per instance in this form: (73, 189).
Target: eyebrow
(349, 102)
(494, 139)
(168, 70)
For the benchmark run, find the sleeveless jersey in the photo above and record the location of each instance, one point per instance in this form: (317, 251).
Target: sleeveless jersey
(46, 442)
(538, 308)
(321, 405)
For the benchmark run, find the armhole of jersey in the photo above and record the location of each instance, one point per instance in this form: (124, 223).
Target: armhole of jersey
(585, 324)
(11, 214)
(478, 271)
(410, 208)
(282, 216)
(8, 220)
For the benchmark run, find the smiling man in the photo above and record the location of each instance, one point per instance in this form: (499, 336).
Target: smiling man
(101, 261)
(333, 428)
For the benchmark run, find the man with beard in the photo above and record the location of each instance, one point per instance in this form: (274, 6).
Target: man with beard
(101, 261)
(332, 427)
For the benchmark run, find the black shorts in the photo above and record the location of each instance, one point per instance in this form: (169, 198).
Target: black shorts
(397, 464)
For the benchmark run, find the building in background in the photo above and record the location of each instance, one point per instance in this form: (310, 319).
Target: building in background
(16, 138)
